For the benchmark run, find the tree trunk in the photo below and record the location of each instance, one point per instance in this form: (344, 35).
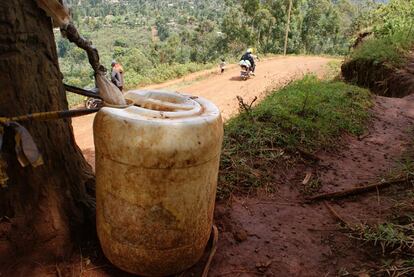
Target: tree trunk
(41, 207)
(287, 28)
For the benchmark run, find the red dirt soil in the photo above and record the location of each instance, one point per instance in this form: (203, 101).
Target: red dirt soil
(278, 234)
(282, 236)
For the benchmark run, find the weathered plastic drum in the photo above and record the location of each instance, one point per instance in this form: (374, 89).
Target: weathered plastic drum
(156, 177)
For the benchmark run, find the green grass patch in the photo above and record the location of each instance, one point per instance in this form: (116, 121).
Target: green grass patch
(391, 49)
(307, 115)
(333, 70)
(163, 73)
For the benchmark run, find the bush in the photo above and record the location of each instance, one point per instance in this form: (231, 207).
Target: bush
(390, 49)
(162, 73)
(308, 113)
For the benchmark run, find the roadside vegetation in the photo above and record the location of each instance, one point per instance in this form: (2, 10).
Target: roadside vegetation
(392, 37)
(306, 116)
(391, 49)
(160, 40)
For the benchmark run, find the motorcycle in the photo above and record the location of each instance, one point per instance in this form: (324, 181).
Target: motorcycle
(245, 72)
(93, 103)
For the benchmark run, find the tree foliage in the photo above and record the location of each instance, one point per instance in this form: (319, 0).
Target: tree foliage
(152, 35)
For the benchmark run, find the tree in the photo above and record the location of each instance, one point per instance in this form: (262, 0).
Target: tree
(251, 7)
(287, 28)
(44, 206)
(396, 16)
(162, 28)
(263, 22)
(320, 26)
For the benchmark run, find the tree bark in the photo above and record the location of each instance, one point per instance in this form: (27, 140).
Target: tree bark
(41, 207)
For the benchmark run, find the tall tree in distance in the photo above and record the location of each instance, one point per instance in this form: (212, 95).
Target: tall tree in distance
(287, 27)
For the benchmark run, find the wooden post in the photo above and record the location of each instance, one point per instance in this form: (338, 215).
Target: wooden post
(287, 27)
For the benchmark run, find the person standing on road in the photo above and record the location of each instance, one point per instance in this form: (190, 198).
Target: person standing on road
(117, 75)
(222, 65)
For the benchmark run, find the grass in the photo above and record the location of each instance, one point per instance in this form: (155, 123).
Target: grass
(390, 235)
(396, 241)
(391, 49)
(333, 70)
(163, 73)
(307, 115)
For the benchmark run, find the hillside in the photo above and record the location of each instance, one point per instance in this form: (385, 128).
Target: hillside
(160, 40)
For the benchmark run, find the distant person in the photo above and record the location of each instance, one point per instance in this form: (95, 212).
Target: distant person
(249, 57)
(222, 66)
(117, 75)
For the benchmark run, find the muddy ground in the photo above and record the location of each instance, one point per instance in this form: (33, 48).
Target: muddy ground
(280, 235)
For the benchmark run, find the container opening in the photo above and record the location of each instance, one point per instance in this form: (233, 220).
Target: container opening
(158, 108)
(163, 102)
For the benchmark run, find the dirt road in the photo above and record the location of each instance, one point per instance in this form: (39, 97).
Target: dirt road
(222, 89)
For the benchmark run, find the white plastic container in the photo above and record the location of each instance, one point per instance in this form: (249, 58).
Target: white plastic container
(156, 177)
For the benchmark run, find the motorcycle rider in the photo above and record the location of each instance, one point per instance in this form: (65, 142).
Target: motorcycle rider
(249, 57)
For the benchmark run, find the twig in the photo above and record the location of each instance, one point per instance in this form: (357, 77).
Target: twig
(58, 272)
(244, 107)
(254, 100)
(358, 190)
(308, 155)
(336, 215)
(212, 252)
(307, 178)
